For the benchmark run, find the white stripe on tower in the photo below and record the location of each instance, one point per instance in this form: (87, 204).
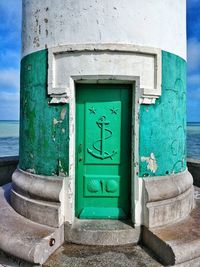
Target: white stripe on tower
(154, 23)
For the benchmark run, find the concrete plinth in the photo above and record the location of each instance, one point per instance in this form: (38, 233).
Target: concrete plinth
(167, 199)
(102, 232)
(22, 238)
(37, 197)
(177, 243)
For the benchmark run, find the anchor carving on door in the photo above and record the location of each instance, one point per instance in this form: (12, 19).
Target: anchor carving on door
(103, 124)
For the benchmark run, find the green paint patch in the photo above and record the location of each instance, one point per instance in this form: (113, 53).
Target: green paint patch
(163, 125)
(44, 144)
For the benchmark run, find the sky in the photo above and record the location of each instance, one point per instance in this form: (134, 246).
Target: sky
(10, 41)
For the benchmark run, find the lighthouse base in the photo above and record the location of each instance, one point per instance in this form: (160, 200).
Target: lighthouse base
(177, 243)
(102, 232)
(23, 238)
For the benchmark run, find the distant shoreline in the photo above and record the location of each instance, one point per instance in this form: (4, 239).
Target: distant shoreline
(193, 124)
(9, 120)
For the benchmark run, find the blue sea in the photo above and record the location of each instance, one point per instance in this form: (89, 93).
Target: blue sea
(9, 139)
(193, 140)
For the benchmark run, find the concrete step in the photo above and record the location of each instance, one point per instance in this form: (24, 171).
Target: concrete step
(102, 232)
(23, 238)
(177, 244)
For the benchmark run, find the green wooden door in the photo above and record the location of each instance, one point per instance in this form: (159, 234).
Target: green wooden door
(103, 151)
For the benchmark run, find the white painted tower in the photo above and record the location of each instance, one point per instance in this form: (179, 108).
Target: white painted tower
(70, 45)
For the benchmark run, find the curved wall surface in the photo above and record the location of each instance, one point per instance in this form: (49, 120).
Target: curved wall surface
(59, 45)
(45, 136)
(154, 23)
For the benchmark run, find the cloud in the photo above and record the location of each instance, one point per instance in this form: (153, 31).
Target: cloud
(9, 78)
(192, 110)
(10, 14)
(194, 94)
(9, 57)
(9, 97)
(193, 54)
(193, 79)
(9, 108)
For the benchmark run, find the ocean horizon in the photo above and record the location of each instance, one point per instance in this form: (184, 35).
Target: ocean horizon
(9, 138)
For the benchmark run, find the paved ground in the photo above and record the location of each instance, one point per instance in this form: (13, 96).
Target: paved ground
(71, 255)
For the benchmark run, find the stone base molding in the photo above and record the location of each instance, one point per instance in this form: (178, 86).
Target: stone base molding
(167, 199)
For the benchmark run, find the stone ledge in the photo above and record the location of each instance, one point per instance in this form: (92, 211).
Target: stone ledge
(37, 186)
(178, 243)
(166, 187)
(25, 239)
(102, 232)
(194, 169)
(167, 199)
(39, 211)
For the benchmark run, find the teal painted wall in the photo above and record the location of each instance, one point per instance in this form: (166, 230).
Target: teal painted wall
(44, 135)
(163, 125)
(44, 132)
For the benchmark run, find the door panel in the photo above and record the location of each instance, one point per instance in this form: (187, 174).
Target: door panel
(103, 151)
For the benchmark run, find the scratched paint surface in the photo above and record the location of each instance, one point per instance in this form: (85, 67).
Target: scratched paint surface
(163, 125)
(44, 131)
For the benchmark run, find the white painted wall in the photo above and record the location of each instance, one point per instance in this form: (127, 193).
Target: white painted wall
(154, 23)
(65, 62)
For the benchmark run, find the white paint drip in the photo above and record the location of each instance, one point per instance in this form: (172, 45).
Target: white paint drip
(152, 165)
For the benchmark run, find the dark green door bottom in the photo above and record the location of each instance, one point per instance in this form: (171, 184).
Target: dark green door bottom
(103, 151)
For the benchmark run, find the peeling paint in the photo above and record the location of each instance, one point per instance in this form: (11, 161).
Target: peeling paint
(152, 165)
(63, 113)
(44, 137)
(163, 127)
(31, 171)
(55, 121)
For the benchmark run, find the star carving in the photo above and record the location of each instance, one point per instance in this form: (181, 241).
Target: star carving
(92, 110)
(114, 110)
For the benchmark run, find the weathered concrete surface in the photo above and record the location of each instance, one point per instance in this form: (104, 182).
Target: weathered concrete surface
(88, 21)
(194, 169)
(22, 238)
(167, 199)
(10, 261)
(37, 186)
(70, 255)
(7, 167)
(39, 211)
(37, 197)
(177, 243)
(102, 232)
(93, 256)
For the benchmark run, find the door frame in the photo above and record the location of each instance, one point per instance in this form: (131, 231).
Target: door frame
(136, 183)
